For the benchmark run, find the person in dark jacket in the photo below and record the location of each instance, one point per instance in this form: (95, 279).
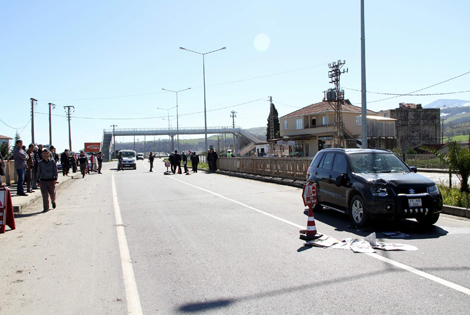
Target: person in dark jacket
(99, 157)
(36, 164)
(194, 161)
(21, 159)
(213, 158)
(64, 160)
(28, 177)
(120, 162)
(47, 170)
(54, 155)
(151, 158)
(172, 161)
(185, 162)
(72, 162)
(82, 161)
(178, 161)
(2, 168)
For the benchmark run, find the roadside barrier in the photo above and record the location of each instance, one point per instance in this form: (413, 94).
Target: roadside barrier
(6, 210)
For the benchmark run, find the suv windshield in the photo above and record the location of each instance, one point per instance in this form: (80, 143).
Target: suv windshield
(377, 163)
(128, 154)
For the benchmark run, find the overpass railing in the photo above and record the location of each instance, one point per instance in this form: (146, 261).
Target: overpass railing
(288, 168)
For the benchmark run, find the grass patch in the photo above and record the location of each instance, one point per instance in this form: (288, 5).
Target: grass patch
(454, 197)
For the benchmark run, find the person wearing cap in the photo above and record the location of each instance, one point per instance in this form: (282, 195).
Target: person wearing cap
(47, 170)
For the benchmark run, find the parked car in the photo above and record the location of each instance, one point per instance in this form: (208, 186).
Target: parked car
(366, 183)
(129, 158)
(140, 156)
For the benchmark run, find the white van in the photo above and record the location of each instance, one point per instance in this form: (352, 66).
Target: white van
(128, 157)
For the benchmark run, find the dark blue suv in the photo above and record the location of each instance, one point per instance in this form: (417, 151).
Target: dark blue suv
(367, 183)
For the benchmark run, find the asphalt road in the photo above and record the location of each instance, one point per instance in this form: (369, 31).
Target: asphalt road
(145, 243)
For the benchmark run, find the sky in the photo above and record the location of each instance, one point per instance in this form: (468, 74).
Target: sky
(110, 59)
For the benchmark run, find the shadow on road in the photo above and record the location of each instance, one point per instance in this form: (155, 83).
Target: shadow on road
(410, 229)
(226, 302)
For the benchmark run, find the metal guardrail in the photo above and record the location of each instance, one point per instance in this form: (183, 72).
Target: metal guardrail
(425, 161)
(288, 168)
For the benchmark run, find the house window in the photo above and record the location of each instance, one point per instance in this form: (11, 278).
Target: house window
(314, 121)
(285, 124)
(298, 123)
(386, 115)
(358, 120)
(324, 120)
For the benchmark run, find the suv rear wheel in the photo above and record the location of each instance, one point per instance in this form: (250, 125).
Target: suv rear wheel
(358, 212)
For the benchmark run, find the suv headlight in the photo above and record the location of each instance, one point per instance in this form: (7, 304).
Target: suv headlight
(433, 189)
(379, 191)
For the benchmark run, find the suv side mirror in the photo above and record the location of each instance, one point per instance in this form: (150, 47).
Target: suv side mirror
(340, 180)
(414, 169)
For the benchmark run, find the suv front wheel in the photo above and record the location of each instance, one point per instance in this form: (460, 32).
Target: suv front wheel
(358, 212)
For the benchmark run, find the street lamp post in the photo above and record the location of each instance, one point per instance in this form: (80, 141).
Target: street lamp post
(51, 107)
(168, 112)
(114, 138)
(177, 124)
(204, 80)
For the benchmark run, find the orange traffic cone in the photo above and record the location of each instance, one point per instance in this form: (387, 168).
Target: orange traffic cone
(311, 233)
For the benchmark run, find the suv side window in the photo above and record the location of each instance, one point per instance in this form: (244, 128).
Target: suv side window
(317, 160)
(328, 161)
(341, 164)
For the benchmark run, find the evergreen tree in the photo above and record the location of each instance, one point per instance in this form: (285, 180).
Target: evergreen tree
(272, 131)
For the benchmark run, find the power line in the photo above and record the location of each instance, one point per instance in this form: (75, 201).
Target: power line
(14, 127)
(157, 117)
(410, 93)
(198, 87)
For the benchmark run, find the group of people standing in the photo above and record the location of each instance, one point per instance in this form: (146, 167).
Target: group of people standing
(38, 167)
(175, 160)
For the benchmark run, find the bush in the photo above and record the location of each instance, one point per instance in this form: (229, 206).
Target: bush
(454, 197)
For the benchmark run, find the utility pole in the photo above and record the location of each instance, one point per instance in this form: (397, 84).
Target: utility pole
(51, 106)
(32, 119)
(335, 97)
(145, 145)
(233, 126)
(67, 111)
(363, 79)
(114, 138)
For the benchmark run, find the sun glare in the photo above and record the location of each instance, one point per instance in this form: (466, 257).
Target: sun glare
(262, 42)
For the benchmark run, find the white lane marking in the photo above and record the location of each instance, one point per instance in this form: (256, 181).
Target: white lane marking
(376, 256)
(132, 295)
(422, 274)
(242, 204)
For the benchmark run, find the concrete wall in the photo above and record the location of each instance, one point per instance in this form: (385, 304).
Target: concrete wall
(416, 126)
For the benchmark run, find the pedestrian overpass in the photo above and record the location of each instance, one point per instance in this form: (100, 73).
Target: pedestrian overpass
(120, 132)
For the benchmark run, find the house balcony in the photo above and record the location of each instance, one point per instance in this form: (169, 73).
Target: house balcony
(312, 130)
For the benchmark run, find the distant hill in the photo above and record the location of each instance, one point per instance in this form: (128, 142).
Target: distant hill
(447, 103)
(259, 132)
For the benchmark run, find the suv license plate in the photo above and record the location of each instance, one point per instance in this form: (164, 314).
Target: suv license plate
(415, 202)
